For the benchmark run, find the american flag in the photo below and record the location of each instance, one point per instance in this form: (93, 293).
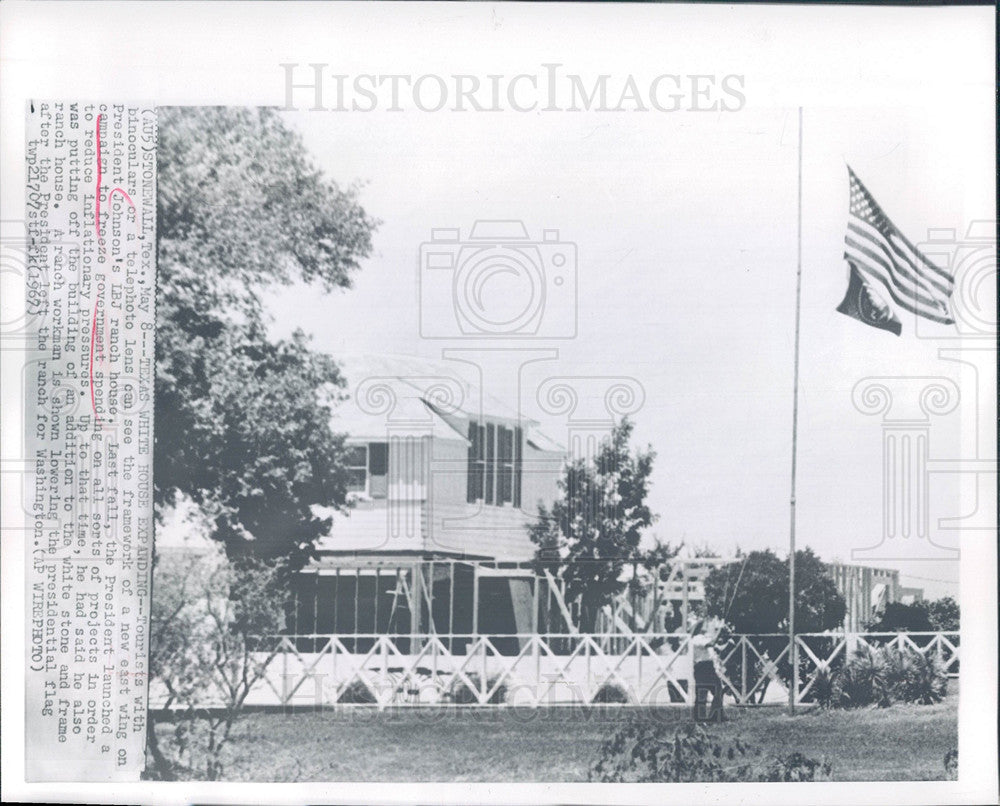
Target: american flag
(882, 257)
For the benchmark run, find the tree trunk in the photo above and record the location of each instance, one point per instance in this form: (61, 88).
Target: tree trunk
(164, 769)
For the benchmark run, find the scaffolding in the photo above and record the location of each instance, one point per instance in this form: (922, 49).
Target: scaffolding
(458, 600)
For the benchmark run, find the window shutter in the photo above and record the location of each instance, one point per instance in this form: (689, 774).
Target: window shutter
(490, 462)
(378, 458)
(505, 469)
(473, 484)
(518, 438)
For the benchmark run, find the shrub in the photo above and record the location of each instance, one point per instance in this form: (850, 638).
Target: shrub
(822, 688)
(611, 693)
(357, 693)
(915, 677)
(951, 764)
(887, 675)
(461, 693)
(795, 767)
(642, 752)
(860, 681)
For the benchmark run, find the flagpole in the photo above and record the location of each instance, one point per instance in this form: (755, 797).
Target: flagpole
(793, 688)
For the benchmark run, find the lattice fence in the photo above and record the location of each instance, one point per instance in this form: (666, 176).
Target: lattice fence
(540, 670)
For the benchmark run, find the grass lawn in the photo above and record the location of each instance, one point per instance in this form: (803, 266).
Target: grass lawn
(904, 742)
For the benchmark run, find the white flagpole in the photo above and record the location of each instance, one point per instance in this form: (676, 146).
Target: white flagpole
(793, 688)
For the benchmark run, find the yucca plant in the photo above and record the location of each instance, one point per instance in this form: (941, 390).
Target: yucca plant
(822, 691)
(912, 676)
(862, 680)
(886, 675)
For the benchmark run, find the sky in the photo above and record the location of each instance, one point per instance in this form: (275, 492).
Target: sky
(685, 227)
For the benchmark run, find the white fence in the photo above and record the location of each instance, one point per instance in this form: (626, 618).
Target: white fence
(540, 670)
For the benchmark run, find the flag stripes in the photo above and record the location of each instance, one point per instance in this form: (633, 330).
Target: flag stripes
(882, 256)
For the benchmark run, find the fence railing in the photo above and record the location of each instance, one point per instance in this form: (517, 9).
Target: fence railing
(543, 669)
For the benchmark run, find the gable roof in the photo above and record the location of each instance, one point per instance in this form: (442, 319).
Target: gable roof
(422, 396)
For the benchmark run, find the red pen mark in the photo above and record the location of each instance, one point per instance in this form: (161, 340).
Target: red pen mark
(97, 229)
(101, 248)
(97, 212)
(135, 213)
(128, 198)
(93, 341)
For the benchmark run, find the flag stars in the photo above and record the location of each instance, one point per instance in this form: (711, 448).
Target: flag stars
(878, 253)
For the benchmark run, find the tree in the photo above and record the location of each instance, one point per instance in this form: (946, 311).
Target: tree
(205, 626)
(939, 615)
(819, 606)
(752, 595)
(242, 421)
(595, 525)
(748, 594)
(900, 617)
(945, 615)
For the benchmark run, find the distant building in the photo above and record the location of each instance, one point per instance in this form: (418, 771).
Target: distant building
(867, 591)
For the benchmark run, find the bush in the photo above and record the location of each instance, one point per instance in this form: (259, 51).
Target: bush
(859, 682)
(951, 764)
(642, 752)
(887, 675)
(822, 688)
(915, 677)
(461, 693)
(357, 693)
(795, 767)
(611, 693)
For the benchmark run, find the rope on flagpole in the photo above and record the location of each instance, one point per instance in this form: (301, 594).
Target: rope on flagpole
(736, 587)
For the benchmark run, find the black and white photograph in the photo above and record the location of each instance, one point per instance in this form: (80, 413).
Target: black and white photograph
(466, 394)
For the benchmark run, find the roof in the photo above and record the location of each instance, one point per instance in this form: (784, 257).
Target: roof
(379, 403)
(422, 396)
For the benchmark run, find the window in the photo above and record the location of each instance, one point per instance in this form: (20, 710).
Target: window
(357, 468)
(368, 469)
(494, 473)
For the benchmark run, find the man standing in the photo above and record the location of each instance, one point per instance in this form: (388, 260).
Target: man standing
(704, 636)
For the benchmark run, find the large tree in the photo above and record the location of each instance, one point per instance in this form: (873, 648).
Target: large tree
(945, 614)
(939, 615)
(242, 420)
(597, 522)
(752, 594)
